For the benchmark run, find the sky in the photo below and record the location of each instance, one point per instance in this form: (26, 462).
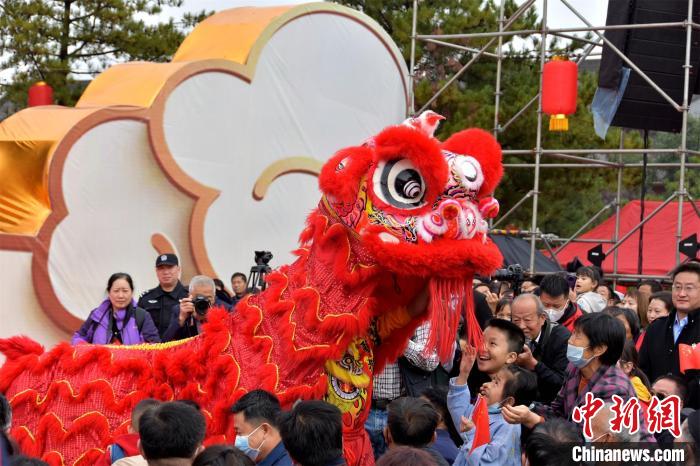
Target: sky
(558, 14)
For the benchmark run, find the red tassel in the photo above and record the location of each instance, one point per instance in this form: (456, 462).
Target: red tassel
(473, 329)
(447, 298)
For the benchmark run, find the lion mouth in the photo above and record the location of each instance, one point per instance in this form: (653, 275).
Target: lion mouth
(344, 390)
(453, 219)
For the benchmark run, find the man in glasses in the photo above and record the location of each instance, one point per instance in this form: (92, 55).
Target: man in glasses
(659, 353)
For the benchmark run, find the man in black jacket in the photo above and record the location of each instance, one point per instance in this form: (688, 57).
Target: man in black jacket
(545, 351)
(187, 318)
(659, 352)
(159, 301)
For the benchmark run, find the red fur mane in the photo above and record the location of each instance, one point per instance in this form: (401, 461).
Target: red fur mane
(360, 266)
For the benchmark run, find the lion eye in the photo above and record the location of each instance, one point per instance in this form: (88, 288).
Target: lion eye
(399, 184)
(468, 172)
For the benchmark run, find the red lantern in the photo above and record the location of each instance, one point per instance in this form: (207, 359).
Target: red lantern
(40, 94)
(559, 86)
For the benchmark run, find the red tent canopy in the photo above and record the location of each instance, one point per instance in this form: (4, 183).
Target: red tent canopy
(660, 244)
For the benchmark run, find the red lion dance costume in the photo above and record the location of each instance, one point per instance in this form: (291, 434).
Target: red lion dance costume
(401, 216)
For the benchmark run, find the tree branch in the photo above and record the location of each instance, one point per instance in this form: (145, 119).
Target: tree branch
(101, 6)
(95, 54)
(85, 72)
(36, 66)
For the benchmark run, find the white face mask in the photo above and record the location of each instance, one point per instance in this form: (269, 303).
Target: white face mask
(555, 314)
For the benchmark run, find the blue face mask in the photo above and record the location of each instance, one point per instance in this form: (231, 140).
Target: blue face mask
(495, 408)
(243, 444)
(575, 356)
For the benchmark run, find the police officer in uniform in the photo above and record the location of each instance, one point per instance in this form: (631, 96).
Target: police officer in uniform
(159, 301)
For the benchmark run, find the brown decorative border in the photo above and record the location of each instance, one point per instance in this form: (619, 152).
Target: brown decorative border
(202, 195)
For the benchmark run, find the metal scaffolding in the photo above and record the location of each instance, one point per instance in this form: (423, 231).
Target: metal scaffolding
(573, 155)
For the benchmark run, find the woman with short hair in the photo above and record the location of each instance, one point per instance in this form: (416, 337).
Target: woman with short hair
(594, 348)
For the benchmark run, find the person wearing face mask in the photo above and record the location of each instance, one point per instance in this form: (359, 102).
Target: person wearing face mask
(545, 349)
(554, 294)
(593, 350)
(255, 420)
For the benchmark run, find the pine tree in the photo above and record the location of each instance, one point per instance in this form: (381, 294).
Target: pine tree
(59, 41)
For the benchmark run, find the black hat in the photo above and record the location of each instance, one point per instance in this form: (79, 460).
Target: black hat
(167, 259)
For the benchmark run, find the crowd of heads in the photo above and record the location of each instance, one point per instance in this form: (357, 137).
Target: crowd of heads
(605, 328)
(172, 433)
(636, 307)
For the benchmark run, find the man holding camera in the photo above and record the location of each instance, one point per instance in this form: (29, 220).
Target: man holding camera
(187, 318)
(546, 343)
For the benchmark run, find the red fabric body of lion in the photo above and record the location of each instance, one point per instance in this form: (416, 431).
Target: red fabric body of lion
(400, 214)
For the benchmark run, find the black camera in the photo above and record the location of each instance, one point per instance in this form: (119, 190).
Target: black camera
(258, 272)
(263, 257)
(513, 273)
(201, 304)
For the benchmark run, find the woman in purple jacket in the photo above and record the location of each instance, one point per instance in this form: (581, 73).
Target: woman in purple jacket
(118, 320)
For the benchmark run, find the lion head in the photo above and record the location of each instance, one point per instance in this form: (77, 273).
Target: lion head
(420, 205)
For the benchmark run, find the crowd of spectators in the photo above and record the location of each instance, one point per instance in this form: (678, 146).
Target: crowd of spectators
(168, 312)
(548, 342)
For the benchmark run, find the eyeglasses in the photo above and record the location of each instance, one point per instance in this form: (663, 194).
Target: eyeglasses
(677, 288)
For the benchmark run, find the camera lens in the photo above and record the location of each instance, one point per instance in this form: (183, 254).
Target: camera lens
(201, 304)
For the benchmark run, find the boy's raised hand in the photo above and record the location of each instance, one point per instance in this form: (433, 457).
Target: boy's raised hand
(465, 425)
(466, 364)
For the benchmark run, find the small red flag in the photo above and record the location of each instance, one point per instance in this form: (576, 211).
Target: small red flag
(480, 418)
(689, 356)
